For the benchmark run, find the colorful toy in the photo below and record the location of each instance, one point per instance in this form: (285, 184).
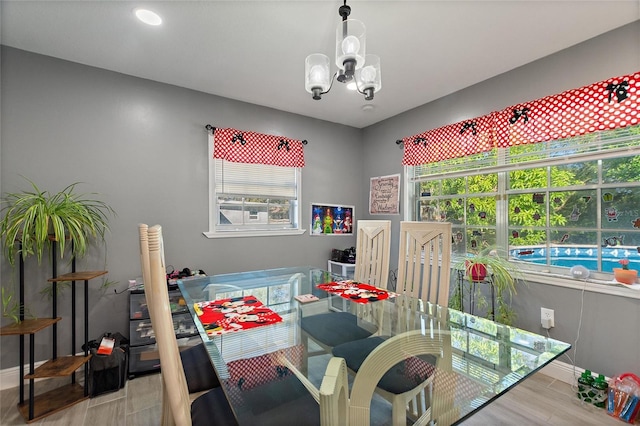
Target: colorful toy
(328, 223)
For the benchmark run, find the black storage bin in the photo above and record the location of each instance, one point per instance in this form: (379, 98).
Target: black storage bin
(108, 373)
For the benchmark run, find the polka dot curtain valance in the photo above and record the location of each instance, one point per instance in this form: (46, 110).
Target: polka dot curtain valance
(257, 148)
(606, 105)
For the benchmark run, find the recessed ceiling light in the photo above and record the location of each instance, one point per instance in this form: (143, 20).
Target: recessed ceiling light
(352, 85)
(148, 17)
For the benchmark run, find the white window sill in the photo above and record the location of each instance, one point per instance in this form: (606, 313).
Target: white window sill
(592, 285)
(241, 234)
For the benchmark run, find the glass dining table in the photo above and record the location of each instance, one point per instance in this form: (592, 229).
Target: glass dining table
(250, 323)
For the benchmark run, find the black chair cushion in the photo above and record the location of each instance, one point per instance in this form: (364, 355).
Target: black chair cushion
(333, 329)
(282, 402)
(212, 409)
(400, 378)
(198, 369)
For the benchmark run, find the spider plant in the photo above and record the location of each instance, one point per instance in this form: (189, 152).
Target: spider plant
(501, 274)
(11, 308)
(36, 218)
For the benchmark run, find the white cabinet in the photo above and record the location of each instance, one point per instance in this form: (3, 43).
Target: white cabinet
(347, 270)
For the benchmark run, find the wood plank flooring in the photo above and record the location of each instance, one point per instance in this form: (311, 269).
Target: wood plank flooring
(539, 400)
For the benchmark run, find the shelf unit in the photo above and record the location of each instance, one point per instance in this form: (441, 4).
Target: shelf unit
(472, 292)
(36, 407)
(143, 353)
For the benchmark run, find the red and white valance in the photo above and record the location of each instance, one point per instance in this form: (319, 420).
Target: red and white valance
(257, 148)
(609, 104)
(455, 140)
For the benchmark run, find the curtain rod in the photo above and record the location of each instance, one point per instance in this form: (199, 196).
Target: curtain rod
(212, 129)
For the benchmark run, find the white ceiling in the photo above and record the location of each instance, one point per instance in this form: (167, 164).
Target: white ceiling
(254, 51)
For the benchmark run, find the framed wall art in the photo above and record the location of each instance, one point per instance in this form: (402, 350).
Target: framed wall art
(331, 219)
(384, 195)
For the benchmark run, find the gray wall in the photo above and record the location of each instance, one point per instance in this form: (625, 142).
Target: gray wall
(142, 146)
(64, 122)
(609, 342)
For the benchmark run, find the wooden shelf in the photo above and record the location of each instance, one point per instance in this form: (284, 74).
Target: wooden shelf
(53, 401)
(59, 367)
(77, 276)
(29, 326)
(37, 407)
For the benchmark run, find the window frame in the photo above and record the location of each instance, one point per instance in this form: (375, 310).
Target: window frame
(498, 163)
(246, 231)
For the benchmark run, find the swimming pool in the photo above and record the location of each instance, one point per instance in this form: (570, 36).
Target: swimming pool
(587, 256)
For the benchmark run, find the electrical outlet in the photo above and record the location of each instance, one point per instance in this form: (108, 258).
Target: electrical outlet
(547, 318)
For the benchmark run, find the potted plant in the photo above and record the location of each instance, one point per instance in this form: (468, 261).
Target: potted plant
(625, 275)
(35, 219)
(488, 266)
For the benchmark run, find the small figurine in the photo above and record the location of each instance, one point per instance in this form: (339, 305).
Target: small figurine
(338, 225)
(317, 224)
(328, 223)
(347, 223)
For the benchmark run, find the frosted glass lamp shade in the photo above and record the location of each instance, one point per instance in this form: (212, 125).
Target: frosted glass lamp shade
(350, 45)
(369, 78)
(317, 78)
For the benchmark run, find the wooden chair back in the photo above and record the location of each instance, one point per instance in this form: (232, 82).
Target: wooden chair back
(143, 232)
(373, 246)
(424, 261)
(175, 384)
(338, 407)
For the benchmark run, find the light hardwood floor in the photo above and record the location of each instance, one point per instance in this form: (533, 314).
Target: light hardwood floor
(539, 400)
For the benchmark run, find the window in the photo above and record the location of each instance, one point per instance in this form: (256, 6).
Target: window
(248, 199)
(554, 204)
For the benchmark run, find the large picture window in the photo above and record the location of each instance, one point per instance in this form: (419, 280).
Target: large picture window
(554, 204)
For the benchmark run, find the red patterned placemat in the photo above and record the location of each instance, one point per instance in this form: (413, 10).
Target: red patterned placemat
(356, 292)
(234, 314)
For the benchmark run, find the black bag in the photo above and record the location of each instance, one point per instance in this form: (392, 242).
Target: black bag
(108, 373)
(344, 256)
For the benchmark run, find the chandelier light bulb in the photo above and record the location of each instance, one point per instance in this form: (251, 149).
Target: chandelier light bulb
(350, 46)
(316, 75)
(317, 78)
(368, 74)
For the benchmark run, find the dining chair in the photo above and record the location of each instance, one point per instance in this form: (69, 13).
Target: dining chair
(424, 261)
(209, 408)
(198, 370)
(338, 406)
(424, 269)
(373, 246)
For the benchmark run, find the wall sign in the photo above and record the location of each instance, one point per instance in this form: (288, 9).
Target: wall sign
(384, 195)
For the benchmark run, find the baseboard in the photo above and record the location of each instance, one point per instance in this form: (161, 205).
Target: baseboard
(562, 371)
(10, 377)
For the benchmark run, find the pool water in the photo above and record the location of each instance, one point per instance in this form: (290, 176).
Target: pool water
(586, 256)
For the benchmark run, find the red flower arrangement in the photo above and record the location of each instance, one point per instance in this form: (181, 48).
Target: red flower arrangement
(624, 263)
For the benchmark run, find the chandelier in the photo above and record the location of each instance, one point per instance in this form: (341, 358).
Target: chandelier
(353, 64)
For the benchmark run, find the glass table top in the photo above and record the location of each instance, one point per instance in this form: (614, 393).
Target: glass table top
(485, 358)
